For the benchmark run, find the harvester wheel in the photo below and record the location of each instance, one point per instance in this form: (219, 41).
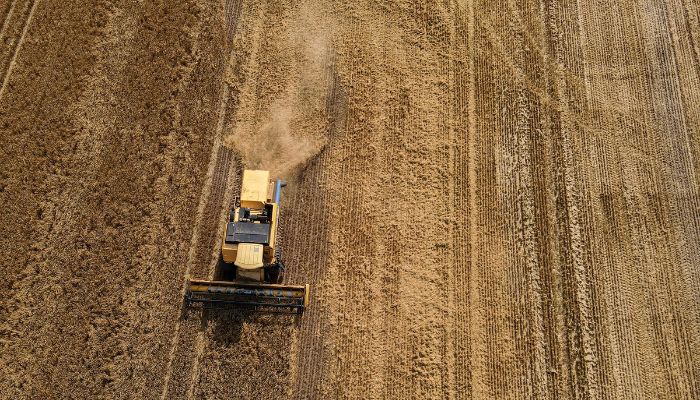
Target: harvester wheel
(274, 273)
(225, 271)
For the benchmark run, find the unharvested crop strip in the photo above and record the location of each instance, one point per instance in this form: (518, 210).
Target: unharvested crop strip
(221, 194)
(216, 166)
(11, 65)
(196, 232)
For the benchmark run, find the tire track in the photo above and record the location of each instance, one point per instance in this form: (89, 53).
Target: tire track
(7, 66)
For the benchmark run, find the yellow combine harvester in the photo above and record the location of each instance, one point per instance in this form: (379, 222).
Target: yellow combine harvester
(252, 263)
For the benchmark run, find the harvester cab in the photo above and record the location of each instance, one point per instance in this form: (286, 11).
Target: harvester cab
(251, 253)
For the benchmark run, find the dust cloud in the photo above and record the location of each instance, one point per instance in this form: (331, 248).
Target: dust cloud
(276, 145)
(291, 130)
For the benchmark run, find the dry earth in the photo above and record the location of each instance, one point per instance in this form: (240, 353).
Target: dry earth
(490, 198)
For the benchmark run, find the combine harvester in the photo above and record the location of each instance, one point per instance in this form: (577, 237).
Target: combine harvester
(251, 254)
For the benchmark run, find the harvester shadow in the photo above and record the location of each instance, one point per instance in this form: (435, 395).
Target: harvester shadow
(228, 325)
(228, 322)
(223, 271)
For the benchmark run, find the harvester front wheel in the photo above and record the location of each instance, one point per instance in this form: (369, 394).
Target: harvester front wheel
(225, 271)
(274, 273)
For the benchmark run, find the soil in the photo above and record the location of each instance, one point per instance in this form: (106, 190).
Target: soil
(489, 198)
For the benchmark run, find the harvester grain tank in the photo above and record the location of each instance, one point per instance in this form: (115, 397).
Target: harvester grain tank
(251, 253)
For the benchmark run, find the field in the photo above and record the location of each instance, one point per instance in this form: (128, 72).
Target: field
(489, 198)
